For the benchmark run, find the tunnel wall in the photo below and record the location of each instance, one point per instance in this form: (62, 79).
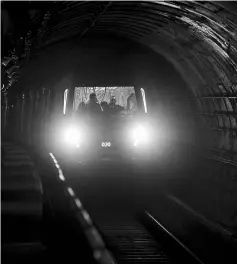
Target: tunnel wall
(209, 70)
(211, 190)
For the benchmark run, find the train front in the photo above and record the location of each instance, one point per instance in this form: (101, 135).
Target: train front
(109, 136)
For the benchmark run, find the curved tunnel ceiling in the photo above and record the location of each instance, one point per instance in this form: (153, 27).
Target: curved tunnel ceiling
(199, 38)
(193, 35)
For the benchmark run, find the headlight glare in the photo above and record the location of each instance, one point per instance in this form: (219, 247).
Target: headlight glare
(72, 136)
(140, 135)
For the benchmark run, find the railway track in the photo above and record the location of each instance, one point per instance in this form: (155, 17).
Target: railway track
(125, 239)
(133, 244)
(142, 239)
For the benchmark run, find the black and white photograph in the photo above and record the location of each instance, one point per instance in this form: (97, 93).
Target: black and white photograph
(119, 132)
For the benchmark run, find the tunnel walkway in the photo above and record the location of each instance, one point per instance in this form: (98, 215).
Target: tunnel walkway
(23, 212)
(21, 195)
(21, 204)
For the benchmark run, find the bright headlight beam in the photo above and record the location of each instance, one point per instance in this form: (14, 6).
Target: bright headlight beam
(72, 135)
(135, 143)
(140, 134)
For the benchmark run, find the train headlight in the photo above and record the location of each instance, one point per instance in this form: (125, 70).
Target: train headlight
(72, 136)
(140, 134)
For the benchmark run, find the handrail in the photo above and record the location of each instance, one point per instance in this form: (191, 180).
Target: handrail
(227, 113)
(231, 96)
(216, 158)
(229, 162)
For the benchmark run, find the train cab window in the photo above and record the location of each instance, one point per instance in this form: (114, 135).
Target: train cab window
(112, 100)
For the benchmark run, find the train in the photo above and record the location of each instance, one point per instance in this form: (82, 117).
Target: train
(119, 131)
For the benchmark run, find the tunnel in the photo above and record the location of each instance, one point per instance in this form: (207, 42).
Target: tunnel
(183, 55)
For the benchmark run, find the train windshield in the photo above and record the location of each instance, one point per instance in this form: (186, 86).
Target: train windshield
(110, 100)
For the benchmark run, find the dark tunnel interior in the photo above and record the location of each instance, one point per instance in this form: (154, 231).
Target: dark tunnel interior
(180, 57)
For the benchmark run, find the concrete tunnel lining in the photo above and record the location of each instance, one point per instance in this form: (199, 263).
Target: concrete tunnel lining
(198, 38)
